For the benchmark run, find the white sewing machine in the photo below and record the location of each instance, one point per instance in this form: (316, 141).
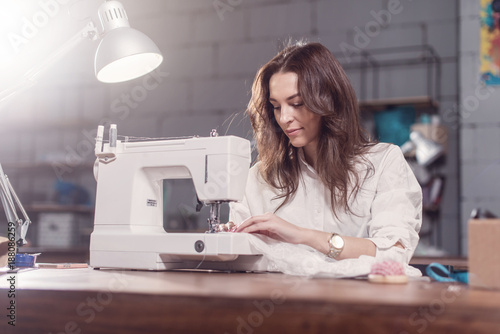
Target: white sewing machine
(128, 226)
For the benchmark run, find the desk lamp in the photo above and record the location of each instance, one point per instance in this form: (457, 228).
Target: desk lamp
(123, 54)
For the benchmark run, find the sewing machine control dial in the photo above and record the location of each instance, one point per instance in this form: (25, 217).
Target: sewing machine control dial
(199, 246)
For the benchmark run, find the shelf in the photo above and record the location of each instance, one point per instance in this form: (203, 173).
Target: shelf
(44, 126)
(418, 102)
(59, 208)
(372, 64)
(458, 263)
(44, 165)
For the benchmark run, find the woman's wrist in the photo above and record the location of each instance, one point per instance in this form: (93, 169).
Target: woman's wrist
(353, 247)
(317, 240)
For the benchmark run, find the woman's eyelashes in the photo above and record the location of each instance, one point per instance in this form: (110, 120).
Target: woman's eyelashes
(294, 105)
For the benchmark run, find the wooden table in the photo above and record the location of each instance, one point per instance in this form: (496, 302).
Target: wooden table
(111, 301)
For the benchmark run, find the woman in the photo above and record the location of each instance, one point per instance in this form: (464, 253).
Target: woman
(319, 181)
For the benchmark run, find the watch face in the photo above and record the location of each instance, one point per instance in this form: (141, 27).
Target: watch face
(337, 241)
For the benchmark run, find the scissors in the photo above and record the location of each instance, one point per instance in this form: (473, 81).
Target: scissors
(442, 274)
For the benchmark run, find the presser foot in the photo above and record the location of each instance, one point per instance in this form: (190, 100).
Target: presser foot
(221, 227)
(213, 227)
(214, 221)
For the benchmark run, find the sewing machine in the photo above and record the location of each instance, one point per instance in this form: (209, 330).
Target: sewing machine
(128, 225)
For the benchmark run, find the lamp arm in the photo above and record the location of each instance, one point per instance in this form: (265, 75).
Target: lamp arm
(7, 194)
(29, 78)
(6, 198)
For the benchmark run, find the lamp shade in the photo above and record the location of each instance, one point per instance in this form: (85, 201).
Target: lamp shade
(124, 53)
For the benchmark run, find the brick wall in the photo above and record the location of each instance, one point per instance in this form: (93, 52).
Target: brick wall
(212, 49)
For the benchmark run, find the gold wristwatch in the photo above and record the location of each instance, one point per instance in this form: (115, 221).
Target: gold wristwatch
(336, 243)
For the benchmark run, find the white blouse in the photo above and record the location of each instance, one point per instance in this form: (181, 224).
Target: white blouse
(387, 208)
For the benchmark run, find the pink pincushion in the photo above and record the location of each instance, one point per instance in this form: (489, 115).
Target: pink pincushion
(387, 268)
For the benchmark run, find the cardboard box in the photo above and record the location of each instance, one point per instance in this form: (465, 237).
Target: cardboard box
(484, 253)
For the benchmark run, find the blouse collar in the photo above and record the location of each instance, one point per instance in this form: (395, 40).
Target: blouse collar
(303, 162)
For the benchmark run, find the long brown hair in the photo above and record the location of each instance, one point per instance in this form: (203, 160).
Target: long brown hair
(326, 91)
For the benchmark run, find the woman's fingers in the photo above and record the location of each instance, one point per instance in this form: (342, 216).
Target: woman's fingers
(271, 225)
(248, 222)
(255, 227)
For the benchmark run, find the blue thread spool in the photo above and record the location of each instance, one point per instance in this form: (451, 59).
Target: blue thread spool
(25, 260)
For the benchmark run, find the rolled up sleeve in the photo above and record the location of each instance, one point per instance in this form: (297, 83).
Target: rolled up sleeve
(396, 211)
(239, 211)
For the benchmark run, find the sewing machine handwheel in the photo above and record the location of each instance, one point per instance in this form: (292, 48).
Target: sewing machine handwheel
(96, 169)
(199, 246)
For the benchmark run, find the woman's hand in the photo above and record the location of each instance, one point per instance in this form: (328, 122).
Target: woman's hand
(274, 227)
